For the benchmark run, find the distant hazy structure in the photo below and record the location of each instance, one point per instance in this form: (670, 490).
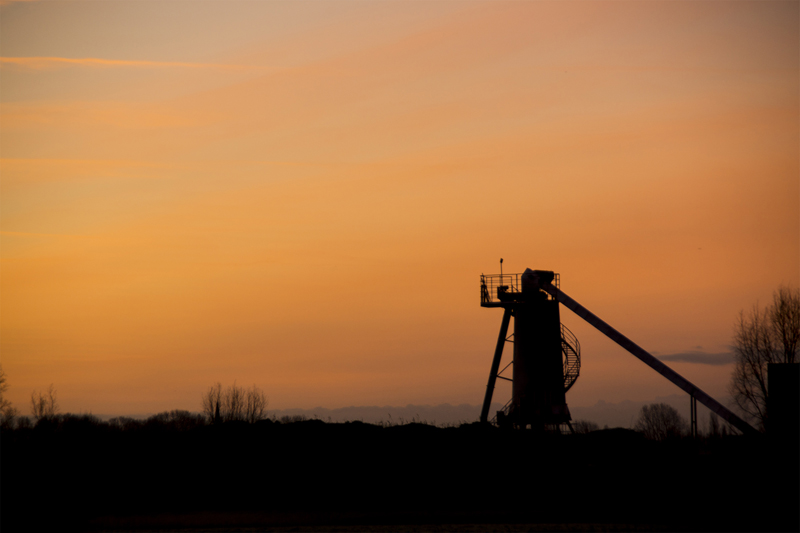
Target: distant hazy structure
(547, 356)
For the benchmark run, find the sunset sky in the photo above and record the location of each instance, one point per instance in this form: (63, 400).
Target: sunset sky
(302, 195)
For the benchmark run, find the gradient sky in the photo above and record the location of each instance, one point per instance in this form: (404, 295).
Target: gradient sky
(303, 195)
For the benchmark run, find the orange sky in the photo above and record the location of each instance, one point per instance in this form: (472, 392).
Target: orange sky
(302, 195)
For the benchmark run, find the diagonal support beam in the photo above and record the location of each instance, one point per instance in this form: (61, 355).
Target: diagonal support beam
(648, 359)
(498, 354)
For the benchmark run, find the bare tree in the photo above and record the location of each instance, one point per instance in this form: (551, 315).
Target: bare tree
(7, 411)
(255, 404)
(659, 421)
(234, 403)
(761, 337)
(44, 405)
(212, 401)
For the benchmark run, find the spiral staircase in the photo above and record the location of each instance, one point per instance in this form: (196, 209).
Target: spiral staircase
(571, 352)
(571, 355)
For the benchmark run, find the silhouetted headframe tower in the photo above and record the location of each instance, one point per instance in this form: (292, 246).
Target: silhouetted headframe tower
(547, 355)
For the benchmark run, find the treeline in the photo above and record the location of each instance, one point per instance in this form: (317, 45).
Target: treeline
(658, 423)
(174, 420)
(231, 404)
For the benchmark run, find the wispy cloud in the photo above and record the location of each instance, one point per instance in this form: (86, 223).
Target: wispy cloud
(700, 358)
(41, 63)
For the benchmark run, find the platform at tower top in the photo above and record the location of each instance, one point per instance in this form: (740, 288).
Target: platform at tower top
(498, 290)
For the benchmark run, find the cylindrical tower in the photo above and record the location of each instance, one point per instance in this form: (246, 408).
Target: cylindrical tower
(538, 396)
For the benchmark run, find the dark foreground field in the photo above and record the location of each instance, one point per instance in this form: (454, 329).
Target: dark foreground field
(313, 476)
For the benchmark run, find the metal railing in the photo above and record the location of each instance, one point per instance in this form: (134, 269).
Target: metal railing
(571, 349)
(494, 285)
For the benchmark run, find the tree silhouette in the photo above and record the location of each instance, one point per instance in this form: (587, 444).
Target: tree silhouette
(44, 406)
(7, 411)
(234, 403)
(771, 335)
(211, 403)
(255, 405)
(659, 421)
(177, 419)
